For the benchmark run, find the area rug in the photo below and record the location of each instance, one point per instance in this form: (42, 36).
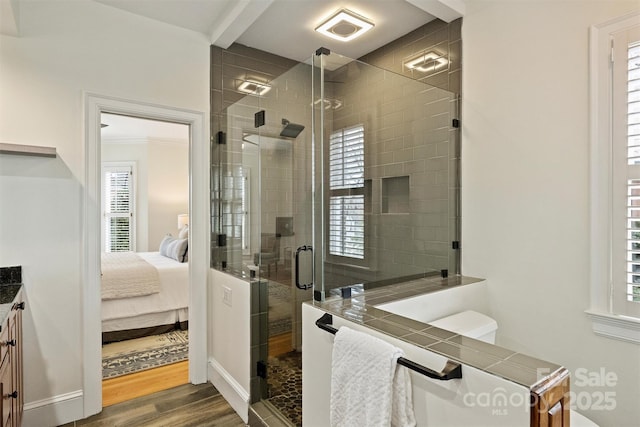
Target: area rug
(127, 357)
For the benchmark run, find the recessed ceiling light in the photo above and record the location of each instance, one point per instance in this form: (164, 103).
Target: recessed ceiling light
(345, 25)
(427, 62)
(254, 88)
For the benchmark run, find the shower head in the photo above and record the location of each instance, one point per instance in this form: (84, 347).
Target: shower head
(291, 130)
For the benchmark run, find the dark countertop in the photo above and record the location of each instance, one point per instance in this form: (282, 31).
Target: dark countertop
(508, 364)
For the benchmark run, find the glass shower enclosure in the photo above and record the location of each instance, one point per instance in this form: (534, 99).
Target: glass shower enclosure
(336, 174)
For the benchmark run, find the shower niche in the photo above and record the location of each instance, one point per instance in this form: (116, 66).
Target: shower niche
(395, 195)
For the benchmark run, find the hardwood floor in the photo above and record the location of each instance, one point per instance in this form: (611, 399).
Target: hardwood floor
(280, 344)
(163, 397)
(127, 387)
(183, 406)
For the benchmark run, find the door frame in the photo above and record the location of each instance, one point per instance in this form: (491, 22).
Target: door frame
(94, 106)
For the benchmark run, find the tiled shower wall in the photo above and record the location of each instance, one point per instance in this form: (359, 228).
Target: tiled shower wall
(229, 68)
(444, 39)
(407, 132)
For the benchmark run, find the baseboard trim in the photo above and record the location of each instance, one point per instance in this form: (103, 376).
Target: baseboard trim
(54, 411)
(230, 389)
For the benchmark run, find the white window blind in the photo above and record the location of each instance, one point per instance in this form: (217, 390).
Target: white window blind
(118, 208)
(346, 158)
(346, 226)
(346, 187)
(625, 172)
(633, 166)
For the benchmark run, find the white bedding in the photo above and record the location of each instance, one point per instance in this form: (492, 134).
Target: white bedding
(127, 274)
(170, 303)
(146, 320)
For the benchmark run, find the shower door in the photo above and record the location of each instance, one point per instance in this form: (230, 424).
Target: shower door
(262, 165)
(283, 126)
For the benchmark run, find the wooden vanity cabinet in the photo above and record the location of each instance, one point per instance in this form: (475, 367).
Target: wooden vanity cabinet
(15, 333)
(5, 388)
(11, 379)
(550, 401)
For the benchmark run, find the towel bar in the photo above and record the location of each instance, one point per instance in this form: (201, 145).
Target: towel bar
(451, 370)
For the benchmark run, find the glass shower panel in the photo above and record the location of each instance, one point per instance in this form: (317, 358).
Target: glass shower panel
(236, 192)
(262, 176)
(285, 223)
(386, 187)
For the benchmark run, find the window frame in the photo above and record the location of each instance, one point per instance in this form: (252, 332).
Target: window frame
(342, 191)
(605, 320)
(106, 166)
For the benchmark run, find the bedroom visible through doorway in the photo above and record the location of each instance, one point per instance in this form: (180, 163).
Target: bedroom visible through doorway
(144, 255)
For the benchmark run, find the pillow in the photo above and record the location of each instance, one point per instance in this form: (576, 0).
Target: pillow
(165, 242)
(184, 233)
(174, 248)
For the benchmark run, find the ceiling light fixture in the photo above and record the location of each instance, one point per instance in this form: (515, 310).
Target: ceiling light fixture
(345, 25)
(330, 103)
(427, 62)
(254, 88)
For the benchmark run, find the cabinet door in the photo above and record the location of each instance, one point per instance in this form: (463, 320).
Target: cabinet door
(550, 401)
(18, 369)
(15, 334)
(5, 393)
(15, 356)
(5, 348)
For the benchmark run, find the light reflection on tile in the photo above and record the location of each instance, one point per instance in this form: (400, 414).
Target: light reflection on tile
(465, 355)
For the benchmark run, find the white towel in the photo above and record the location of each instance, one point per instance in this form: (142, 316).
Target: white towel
(368, 387)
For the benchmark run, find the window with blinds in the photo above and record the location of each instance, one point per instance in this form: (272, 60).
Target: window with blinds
(346, 188)
(346, 158)
(633, 172)
(118, 208)
(614, 267)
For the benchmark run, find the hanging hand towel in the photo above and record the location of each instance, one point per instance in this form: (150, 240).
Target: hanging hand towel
(368, 388)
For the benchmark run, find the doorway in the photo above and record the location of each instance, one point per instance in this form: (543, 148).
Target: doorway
(95, 105)
(144, 210)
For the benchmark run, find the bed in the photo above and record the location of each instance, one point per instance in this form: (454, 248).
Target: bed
(165, 309)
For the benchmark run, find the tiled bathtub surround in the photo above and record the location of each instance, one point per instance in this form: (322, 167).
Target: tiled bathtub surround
(10, 274)
(510, 365)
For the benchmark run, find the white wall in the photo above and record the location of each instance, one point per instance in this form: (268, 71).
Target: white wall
(162, 186)
(168, 189)
(230, 340)
(525, 185)
(68, 47)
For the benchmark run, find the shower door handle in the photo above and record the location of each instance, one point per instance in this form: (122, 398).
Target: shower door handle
(299, 285)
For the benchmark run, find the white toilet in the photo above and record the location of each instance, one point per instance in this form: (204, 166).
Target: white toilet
(470, 324)
(481, 327)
